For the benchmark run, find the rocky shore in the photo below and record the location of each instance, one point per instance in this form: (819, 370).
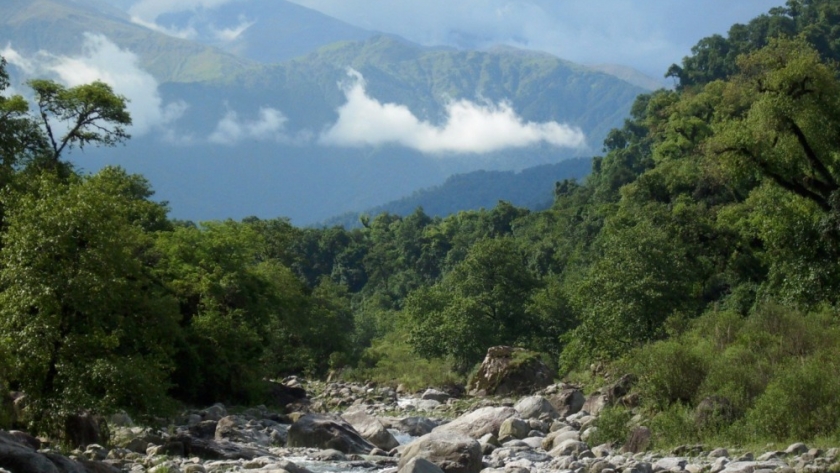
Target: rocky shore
(353, 427)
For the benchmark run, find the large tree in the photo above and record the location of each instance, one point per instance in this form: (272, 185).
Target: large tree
(86, 324)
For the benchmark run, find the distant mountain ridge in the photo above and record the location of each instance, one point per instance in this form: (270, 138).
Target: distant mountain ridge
(287, 171)
(532, 188)
(271, 31)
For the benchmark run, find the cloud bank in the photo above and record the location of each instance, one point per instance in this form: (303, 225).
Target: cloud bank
(269, 126)
(469, 127)
(103, 60)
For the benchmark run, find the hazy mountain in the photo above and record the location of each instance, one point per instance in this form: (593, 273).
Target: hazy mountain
(628, 74)
(227, 137)
(532, 188)
(59, 27)
(265, 31)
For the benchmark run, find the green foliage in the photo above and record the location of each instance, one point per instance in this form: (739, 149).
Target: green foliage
(477, 305)
(801, 401)
(86, 324)
(612, 425)
(771, 376)
(390, 360)
(91, 113)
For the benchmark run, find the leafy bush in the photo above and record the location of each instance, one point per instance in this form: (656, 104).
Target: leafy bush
(803, 401)
(612, 426)
(669, 371)
(390, 360)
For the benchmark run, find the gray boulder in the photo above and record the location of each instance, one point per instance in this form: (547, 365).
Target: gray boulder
(508, 370)
(535, 407)
(17, 457)
(513, 428)
(419, 465)
(567, 401)
(370, 428)
(486, 420)
(449, 451)
(435, 395)
(414, 426)
(327, 432)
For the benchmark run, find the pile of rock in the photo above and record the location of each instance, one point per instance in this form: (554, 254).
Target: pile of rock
(369, 428)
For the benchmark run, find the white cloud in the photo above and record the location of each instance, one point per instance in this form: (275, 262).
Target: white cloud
(186, 33)
(469, 127)
(103, 60)
(149, 10)
(230, 34)
(269, 126)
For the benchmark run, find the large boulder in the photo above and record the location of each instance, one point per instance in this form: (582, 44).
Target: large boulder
(17, 457)
(509, 370)
(486, 420)
(414, 426)
(327, 432)
(450, 451)
(81, 430)
(370, 428)
(566, 400)
(535, 407)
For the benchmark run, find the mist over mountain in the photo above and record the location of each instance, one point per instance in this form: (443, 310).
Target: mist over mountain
(268, 32)
(343, 128)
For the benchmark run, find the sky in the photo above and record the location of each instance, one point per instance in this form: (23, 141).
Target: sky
(648, 35)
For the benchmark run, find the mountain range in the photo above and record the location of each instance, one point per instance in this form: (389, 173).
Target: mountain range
(268, 108)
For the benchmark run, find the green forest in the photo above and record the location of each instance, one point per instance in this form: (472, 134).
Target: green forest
(702, 254)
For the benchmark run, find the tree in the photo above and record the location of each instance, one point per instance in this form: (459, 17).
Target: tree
(782, 121)
(86, 324)
(90, 113)
(479, 304)
(20, 136)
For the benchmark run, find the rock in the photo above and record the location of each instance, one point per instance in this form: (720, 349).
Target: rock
(435, 395)
(752, 466)
(595, 403)
(239, 429)
(714, 411)
(557, 437)
(205, 429)
(284, 394)
(486, 420)
(427, 404)
(620, 388)
(419, 465)
(213, 450)
(568, 447)
(513, 428)
(370, 428)
(796, 449)
(325, 432)
(16, 457)
(718, 453)
(450, 451)
(414, 426)
(670, 464)
(638, 440)
(567, 402)
(535, 407)
(81, 430)
(214, 412)
(508, 370)
(26, 439)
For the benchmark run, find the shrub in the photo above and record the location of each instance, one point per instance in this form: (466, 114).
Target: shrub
(612, 426)
(802, 402)
(669, 371)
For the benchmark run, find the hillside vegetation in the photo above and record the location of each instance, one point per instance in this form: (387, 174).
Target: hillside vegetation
(531, 188)
(701, 254)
